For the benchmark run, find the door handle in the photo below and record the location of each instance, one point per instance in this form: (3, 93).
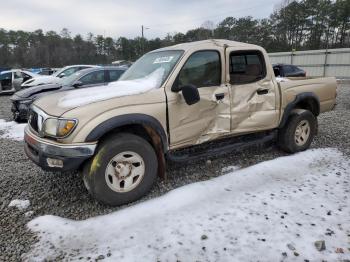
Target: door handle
(220, 96)
(262, 91)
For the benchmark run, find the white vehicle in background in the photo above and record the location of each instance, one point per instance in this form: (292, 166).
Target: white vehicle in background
(122, 63)
(11, 80)
(55, 77)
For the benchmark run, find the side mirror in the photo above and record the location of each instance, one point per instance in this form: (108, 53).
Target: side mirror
(61, 75)
(78, 84)
(176, 87)
(191, 94)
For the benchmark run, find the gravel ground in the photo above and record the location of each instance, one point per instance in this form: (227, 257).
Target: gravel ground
(64, 194)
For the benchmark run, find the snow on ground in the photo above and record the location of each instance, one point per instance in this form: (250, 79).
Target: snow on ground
(20, 204)
(29, 213)
(114, 89)
(229, 169)
(260, 213)
(11, 130)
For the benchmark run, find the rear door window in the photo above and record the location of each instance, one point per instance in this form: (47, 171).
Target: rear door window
(246, 67)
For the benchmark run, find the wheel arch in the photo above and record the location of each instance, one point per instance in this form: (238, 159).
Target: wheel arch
(142, 125)
(308, 101)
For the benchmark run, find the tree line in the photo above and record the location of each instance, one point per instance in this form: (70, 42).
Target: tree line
(293, 25)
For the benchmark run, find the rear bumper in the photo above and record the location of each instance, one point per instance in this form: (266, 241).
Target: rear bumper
(70, 156)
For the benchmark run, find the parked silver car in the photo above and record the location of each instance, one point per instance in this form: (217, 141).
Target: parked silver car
(11, 80)
(55, 78)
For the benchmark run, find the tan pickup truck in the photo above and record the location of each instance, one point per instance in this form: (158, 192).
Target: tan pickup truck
(177, 103)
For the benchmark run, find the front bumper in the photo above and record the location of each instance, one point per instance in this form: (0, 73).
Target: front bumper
(40, 150)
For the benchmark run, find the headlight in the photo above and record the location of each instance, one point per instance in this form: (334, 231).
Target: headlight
(50, 126)
(65, 126)
(59, 127)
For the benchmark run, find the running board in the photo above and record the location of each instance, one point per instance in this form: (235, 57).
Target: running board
(217, 148)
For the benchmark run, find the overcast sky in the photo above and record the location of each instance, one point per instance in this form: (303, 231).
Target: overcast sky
(124, 18)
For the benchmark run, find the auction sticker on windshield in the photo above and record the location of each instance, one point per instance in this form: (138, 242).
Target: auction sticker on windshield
(164, 59)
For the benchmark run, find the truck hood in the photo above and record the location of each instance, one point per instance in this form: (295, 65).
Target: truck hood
(41, 81)
(36, 90)
(59, 103)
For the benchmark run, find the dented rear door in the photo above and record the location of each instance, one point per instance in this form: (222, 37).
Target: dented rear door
(253, 91)
(210, 117)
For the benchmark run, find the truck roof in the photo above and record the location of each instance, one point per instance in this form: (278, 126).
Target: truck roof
(208, 43)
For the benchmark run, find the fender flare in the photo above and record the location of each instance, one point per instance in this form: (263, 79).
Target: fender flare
(299, 98)
(128, 119)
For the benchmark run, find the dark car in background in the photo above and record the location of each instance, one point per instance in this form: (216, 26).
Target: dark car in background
(285, 70)
(90, 77)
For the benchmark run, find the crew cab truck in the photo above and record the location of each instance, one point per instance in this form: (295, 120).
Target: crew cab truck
(176, 103)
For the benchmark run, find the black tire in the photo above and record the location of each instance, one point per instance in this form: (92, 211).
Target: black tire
(94, 170)
(286, 135)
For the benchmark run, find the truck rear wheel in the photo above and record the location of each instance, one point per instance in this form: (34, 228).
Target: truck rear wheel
(299, 131)
(123, 170)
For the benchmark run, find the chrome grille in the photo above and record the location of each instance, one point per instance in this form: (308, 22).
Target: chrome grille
(36, 119)
(33, 120)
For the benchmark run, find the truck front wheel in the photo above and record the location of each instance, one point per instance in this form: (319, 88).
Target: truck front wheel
(299, 131)
(123, 170)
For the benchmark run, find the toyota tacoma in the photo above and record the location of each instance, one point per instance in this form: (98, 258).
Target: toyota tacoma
(178, 103)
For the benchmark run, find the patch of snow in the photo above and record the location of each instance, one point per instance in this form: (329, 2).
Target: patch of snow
(11, 130)
(20, 204)
(29, 213)
(253, 214)
(229, 169)
(281, 79)
(114, 89)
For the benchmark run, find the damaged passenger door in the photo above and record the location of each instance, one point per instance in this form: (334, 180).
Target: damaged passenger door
(209, 117)
(253, 93)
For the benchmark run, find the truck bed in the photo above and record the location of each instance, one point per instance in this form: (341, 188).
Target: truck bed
(325, 88)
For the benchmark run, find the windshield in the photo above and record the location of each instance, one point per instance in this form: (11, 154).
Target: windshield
(59, 71)
(149, 63)
(69, 80)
